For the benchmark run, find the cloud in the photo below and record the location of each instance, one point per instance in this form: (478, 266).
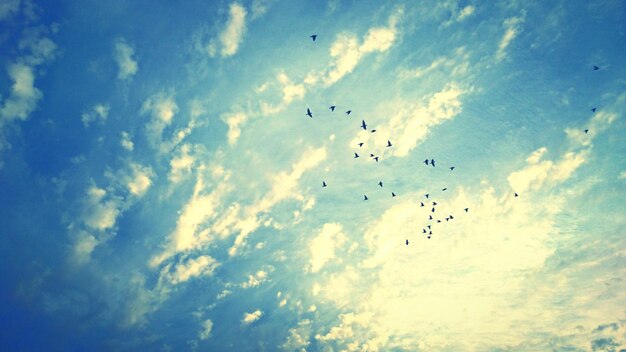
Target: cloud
(205, 333)
(249, 318)
(622, 175)
(256, 279)
(126, 142)
(467, 11)
(99, 112)
(139, 179)
(99, 213)
(323, 246)
(83, 246)
(202, 266)
(234, 121)
(513, 27)
(24, 96)
(412, 121)
(162, 109)
(298, 338)
(8, 8)
(123, 54)
(181, 164)
(232, 35)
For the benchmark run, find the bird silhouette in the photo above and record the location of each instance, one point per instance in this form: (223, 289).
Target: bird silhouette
(426, 195)
(444, 189)
(421, 204)
(434, 203)
(517, 195)
(438, 221)
(360, 144)
(430, 217)
(363, 125)
(356, 155)
(348, 112)
(365, 197)
(376, 158)
(309, 113)
(407, 242)
(373, 131)
(451, 217)
(428, 236)
(371, 155)
(380, 183)
(332, 108)
(447, 219)
(451, 168)
(593, 109)
(596, 68)
(423, 230)
(432, 162)
(586, 131)
(428, 226)
(433, 209)
(466, 210)
(388, 144)
(426, 162)
(314, 36)
(393, 194)
(323, 184)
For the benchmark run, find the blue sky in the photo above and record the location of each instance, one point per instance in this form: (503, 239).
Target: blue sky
(161, 185)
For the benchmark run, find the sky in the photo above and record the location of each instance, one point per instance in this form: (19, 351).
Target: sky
(161, 186)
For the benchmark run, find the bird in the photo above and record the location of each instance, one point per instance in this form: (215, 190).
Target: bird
(356, 155)
(421, 204)
(444, 189)
(438, 221)
(432, 162)
(323, 184)
(314, 36)
(428, 237)
(348, 112)
(466, 210)
(360, 144)
(407, 242)
(373, 131)
(517, 195)
(434, 203)
(596, 68)
(423, 230)
(363, 125)
(586, 131)
(393, 194)
(371, 155)
(451, 168)
(593, 109)
(430, 217)
(433, 209)
(376, 158)
(428, 226)
(426, 162)
(451, 217)
(447, 219)
(388, 144)
(380, 183)
(308, 112)
(332, 108)
(365, 197)
(426, 195)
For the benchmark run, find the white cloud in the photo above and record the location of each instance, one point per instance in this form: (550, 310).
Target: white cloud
(249, 318)
(513, 27)
(234, 31)
(323, 246)
(181, 164)
(162, 109)
(99, 112)
(24, 96)
(123, 54)
(234, 121)
(412, 121)
(99, 213)
(298, 338)
(256, 279)
(126, 142)
(205, 333)
(139, 179)
(83, 246)
(466, 12)
(201, 266)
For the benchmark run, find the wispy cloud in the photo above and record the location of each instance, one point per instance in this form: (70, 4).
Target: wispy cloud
(513, 27)
(123, 54)
(323, 246)
(99, 113)
(205, 333)
(249, 318)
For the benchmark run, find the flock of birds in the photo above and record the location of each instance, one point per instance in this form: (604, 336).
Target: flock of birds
(431, 221)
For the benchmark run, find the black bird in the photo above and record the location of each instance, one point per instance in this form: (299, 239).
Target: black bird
(428, 237)
(451, 168)
(356, 155)
(430, 233)
(426, 195)
(593, 110)
(348, 112)
(596, 68)
(430, 217)
(407, 242)
(426, 162)
(444, 189)
(363, 125)
(373, 131)
(451, 217)
(438, 221)
(423, 230)
(371, 155)
(421, 204)
(365, 197)
(466, 210)
(314, 36)
(433, 209)
(586, 131)
(360, 144)
(380, 183)
(323, 184)
(389, 143)
(308, 113)
(432, 162)
(332, 108)
(393, 194)
(434, 203)
(428, 226)
(376, 158)
(517, 195)
(447, 219)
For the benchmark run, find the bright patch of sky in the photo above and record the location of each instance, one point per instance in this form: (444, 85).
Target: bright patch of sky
(162, 188)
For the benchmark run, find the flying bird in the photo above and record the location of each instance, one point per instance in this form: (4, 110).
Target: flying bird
(432, 162)
(365, 197)
(421, 204)
(593, 109)
(426, 162)
(348, 112)
(323, 184)
(426, 195)
(360, 144)
(388, 144)
(371, 155)
(586, 131)
(433, 209)
(380, 183)
(596, 68)
(438, 221)
(363, 125)
(430, 217)
(466, 210)
(444, 189)
(373, 131)
(517, 195)
(434, 203)
(376, 158)
(423, 230)
(356, 155)
(451, 168)
(451, 217)
(332, 108)
(428, 237)
(314, 36)
(309, 113)
(407, 242)
(393, 194)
